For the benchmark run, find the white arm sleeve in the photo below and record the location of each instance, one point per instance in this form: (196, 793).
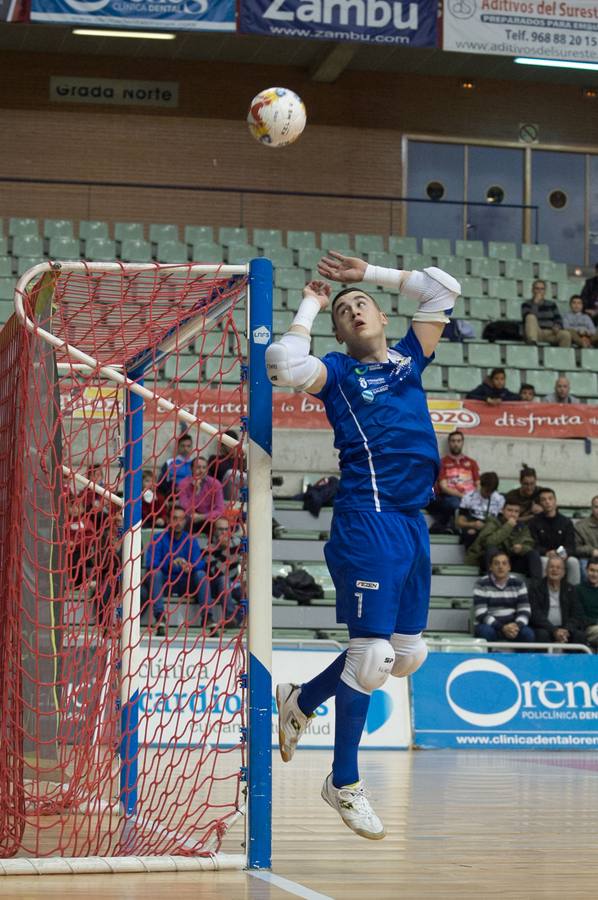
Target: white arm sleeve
(289, 363)
(436, 290)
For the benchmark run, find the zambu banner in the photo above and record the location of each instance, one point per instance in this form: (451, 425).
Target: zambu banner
(506, 701)
(175, 15)
(410, 23)
(180, 699)
(543, 29)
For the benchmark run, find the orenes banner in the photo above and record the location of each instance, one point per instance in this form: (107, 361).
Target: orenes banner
(174, 15)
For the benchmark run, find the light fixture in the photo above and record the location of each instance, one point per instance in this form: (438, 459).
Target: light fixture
(140, 35)
(555, 63)
(467, 85)
(590, 93)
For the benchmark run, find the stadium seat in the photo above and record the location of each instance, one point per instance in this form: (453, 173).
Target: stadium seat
(7, 308)
(199, 234)
(210, 342)
(279, 299)
(382, 258)
(502, 250)
(183, 368)
(484, 308)
(133, 250)
(398, 325)
(335, 240)
(27, 245)
(484, 267)
(289, 278)
(408, 306)
(583, 384)
(455, 265)
(241, 253)
(402, 246)
(228, 235)
(463, 379)
(278, 255)
(27, 262)
(432, 379)
(93, 229)
(542, 380)
(7, 288)
(513, 380)
(566, 289)
(535, 252)
(17, 227)
(503, 288)
(301, 240)
(267, 237)
(5, 267)
(552, 271)
(308, 258)
(226, 371)
(323, 326)
(159, 234)
(415, 261)
(469, 249)
(63, 247)
(484, 355)
(369, 243)
(128, 231)
(281, 321)
(522, 356)
(477, 327)
(99, 249)
(513, 309)
(172, 252)
(3, 246)
(561, 359)
(59, 228)
(519, 269)
(449, 354)
(589, 359)
(207, 252)
(384, 301)
(436, 247)
(471, 287)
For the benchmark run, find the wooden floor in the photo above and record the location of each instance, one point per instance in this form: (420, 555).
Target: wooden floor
(460, 825)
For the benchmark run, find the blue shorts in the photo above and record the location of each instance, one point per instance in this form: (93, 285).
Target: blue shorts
(380, 565)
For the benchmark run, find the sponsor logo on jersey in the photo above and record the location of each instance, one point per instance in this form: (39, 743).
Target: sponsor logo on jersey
(363, 383)
(368, 585)
(368, 396)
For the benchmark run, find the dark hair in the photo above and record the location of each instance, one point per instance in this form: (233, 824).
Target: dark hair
(348, 290)
(546, 491)
(526, 472)
(538, 281)
(592, 562)
(497, 553)
(489, 480)
(528, 387)
(177, 506)
(575, 297)
(185, 437)
(497, 371)
(512, 503)
(457, 431)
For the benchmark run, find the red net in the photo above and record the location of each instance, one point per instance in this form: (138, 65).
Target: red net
(91, 616)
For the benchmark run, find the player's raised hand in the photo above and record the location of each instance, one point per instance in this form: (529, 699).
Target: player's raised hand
(342, 268)
(318, 289)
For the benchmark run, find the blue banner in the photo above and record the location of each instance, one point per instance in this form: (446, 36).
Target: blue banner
(173, 15)
(506, 701)
(409, 23)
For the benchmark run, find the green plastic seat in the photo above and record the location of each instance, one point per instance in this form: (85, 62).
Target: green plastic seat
(432, 378)
(469, 249)
(408, 306)
(502, 250)
(99, 249)
(267, 237)
(279, 299)
(522, 356)
(484, 308)
(513, 380)
(199, 234)
(63, 247)
(27, 245)
(134, 250)
(463, 379)
(542, 380)
(589, 359)
(289, 278)
(535, 252)
(322, 326)
(484, 355)
(477, 326)
(93, 228)
(503, 288)
(513, 308)
(7, 308)
(279, 256)
(159, 234)
(553, 271)
(301, 240)
(238, 254)
(211, 342)
(172, 252)
(5, 267)
(382, 258)
(402, 246)
(384, 301)
(207, 252)
(449, 354)
(519, 269)
(7, 288)
(566, 289)
(228, 235)
(335, 240)
(415, 261)
(369, 243)
(59, 228)
(471, 287)
(17, 227)
(3, 246)
(225, 371)
(561, 359)
(281, 321)
(583, 384)
(132, 231)
(308, 258)
(436, 247)
(484, 267)
(179, 367)
(455, 265)
(27, 262)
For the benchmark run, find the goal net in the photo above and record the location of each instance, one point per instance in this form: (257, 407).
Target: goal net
(123, 562)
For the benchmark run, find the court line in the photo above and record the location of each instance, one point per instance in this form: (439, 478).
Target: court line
(291, 887)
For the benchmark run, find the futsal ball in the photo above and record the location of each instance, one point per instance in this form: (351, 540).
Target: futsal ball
(276, 117)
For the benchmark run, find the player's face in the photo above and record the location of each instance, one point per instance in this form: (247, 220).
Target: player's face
(357, 320)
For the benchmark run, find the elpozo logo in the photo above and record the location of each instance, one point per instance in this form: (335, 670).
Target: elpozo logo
(447, 415)
(550, 699)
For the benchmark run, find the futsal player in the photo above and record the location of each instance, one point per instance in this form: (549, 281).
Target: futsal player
(378, 553)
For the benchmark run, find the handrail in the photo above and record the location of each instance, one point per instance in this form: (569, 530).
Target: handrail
(519, 645)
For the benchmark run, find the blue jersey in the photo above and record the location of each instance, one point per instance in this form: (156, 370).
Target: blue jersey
(388, 452)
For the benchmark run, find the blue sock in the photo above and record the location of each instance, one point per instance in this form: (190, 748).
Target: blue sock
(351, 713)
(315, 692)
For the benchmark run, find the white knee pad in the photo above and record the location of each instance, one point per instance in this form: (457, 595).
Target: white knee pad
(410, 652)
(368, 664)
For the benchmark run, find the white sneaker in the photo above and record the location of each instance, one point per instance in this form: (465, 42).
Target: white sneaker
(354, 808)
(292, 722)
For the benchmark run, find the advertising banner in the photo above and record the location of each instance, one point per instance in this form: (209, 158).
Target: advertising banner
(179, 699)
(506, 701)
(542, 29)
(173, 15)
(410, 23)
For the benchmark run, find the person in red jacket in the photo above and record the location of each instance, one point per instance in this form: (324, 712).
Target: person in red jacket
(458, 475)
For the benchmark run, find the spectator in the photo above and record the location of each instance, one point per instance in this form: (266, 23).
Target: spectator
(542, 319)
(154, 510)
(500, 603)
(92, 500)
(557, 613)
(493, 390)
(174, 564)
(526, 495)
(476, 506)
(589, 295)
(554, 535)
(227, 466)
(458, 475)
(586, 536)
(506, 534)
(527, 394)
(201, 497)
(561, 392)
(587, 595)
(579, 324)
(177, 468)
(224, 568)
